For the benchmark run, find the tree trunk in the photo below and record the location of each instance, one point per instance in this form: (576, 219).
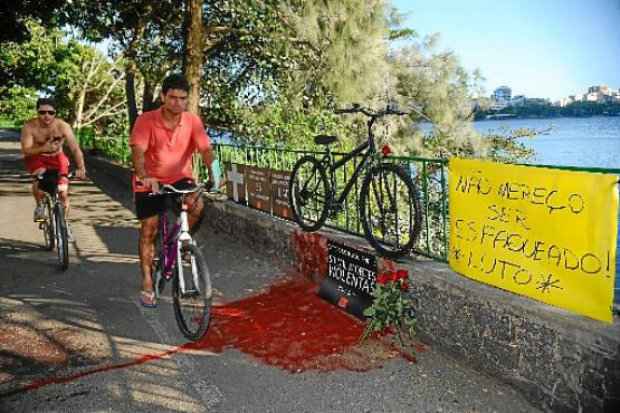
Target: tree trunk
(130, 91)
(193, 53)
(79, 109)
(148, 99)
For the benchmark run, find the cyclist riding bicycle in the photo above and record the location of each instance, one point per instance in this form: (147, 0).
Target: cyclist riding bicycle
(163, 142)
(42, 140)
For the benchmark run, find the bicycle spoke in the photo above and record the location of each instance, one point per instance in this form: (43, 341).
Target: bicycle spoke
(308, 194)
(393, 224)
(192, 293)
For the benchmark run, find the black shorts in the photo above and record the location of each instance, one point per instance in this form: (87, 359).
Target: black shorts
(150, 205)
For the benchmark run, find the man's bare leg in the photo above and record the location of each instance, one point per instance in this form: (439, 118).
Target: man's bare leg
(36, 193)
(195, 207)
(148, 232)
(63, 195)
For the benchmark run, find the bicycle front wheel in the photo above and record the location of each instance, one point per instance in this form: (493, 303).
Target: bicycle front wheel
(62, 243)
(309, 193)
(390, 210)
(192, 305)
(47, 226)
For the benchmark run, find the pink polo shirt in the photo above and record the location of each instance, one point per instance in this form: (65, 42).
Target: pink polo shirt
(168, 152)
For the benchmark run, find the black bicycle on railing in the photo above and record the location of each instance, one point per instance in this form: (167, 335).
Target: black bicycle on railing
(178, 259)
(54, 225)
(388, 204)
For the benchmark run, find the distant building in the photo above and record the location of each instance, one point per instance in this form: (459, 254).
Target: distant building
(501, 97)
(599, 94)
(537, 101)
(601, 89)
(517, 100)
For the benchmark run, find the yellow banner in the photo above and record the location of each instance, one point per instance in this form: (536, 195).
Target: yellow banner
(545, 233)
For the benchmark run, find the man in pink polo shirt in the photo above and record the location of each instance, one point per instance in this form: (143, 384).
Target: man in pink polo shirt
(163, 142)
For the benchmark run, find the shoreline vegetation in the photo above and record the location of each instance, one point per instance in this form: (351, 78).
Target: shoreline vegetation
(541, 111)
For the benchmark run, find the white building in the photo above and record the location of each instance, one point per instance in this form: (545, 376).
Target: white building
(501, 97)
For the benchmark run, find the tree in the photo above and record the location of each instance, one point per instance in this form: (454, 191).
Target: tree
(98, 95)
(145, 33)
(14, 16)
(436, 89)
(346, 44)
(77, 75)
(194, 52)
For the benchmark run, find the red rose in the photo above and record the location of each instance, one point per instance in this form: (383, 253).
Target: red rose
(403, 274)
(381, 279)
(386, 150)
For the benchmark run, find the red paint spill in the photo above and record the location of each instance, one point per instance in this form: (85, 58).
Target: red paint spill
(290, 327)
(69, 378)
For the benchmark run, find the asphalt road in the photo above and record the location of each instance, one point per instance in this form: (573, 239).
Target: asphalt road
(56, 326)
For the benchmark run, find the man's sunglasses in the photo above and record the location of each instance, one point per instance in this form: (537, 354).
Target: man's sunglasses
(47, 112)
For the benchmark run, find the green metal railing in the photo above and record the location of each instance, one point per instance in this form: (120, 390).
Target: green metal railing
(429, 175)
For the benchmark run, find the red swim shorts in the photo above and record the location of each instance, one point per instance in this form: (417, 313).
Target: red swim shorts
(58, 162)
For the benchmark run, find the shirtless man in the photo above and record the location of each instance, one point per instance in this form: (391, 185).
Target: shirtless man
(42, 139)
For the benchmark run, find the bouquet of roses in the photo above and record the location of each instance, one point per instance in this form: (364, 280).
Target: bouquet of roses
(391, 311)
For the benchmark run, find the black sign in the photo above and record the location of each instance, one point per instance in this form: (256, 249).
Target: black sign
(353, 269)
(351, 278)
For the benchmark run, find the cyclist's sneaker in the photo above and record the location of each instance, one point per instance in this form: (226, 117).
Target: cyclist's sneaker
(39, 213)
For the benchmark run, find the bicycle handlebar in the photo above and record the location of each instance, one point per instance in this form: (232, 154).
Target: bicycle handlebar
(356, 108)
(41, 175)
(169, 189)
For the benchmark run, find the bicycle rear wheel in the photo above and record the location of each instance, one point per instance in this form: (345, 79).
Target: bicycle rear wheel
(47, 226)
(390, 210)
(192, 307)
(62, 243)
(309, 193)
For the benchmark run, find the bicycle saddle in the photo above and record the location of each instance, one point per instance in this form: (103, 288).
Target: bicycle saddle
(324, 139)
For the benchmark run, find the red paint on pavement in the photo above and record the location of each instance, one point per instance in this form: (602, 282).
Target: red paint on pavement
(69, 378)
(290, 327)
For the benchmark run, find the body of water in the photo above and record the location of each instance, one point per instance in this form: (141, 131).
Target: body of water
(584, 142)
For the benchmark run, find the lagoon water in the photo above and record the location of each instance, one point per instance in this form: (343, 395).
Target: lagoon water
(583, 142)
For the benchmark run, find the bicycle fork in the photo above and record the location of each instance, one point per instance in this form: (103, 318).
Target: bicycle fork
(184, 240)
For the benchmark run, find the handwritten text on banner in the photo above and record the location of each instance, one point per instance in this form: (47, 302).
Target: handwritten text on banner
(544, 233)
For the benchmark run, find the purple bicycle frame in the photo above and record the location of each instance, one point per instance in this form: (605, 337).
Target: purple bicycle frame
(168, 253)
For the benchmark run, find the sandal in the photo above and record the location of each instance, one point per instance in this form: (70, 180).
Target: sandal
(147, 299)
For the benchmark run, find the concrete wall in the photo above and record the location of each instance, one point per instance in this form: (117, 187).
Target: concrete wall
(560, 361)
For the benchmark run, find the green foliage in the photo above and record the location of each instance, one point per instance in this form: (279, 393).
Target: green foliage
(8, 123)
(15, 14)
(279, 124)
(345, 44)
(77, 75)
(19, 104)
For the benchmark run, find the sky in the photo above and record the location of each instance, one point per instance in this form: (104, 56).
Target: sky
(539, 48)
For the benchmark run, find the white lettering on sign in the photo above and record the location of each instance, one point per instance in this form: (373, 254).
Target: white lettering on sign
(351, 274)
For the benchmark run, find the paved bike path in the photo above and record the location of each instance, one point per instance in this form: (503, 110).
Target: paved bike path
(56, 326)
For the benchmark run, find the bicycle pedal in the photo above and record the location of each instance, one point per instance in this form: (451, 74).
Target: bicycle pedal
(190, 294)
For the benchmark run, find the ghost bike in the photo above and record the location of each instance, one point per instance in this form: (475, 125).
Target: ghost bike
(388, 204)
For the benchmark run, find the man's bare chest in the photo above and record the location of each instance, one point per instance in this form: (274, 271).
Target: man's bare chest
(41, 137)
